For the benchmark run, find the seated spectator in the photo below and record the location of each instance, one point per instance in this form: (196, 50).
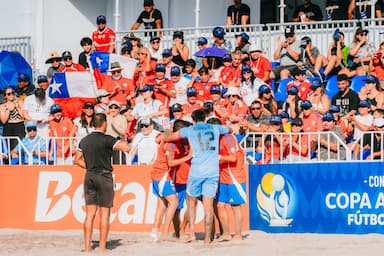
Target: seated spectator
(311, 120)
(219, 104)
(373, 142)
(260, 65)
(320, 101)
(145, 69)
(86, 44)
(145, 142)
(219, 41)
(288, 53)
(360, 122)
(267, 100)
(56, 65)
(345, 98)
(292, 104)
(307, 12)
(300, 82)
(360, 53)
(242, 44)
(84, 123)
(181, 84)
(203, 85)
(136, 45)
(34, 151)
(285, 121)
(177, 112)
(308, 55)
(36, 108)
(273, 141)
(190, 71)
(364, 10)
(237, 65)
(249, 86)
(155, 49)
(102, 101)
(236, 109)
(202, 43)
(257, 120)
(42, 82)
(192, 103)
(167, 60)
(328, 146)
(227, 77)
(297, 146)
(378, 63)
(164, 90)
(61, 131)
(24, 87)
(341, 122)
(69, 65)
(372, 92)
(337, 9)
(180, 50)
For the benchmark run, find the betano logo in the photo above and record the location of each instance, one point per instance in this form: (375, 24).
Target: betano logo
(276, 199)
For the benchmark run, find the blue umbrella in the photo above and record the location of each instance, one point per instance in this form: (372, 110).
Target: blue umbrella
(11, 66)
(211, 52)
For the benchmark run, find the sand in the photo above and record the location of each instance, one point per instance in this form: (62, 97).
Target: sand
(40, 243)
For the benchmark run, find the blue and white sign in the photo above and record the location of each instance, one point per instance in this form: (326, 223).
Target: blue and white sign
(317, 198)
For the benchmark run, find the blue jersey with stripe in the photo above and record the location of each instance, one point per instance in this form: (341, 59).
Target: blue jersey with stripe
(204, 140)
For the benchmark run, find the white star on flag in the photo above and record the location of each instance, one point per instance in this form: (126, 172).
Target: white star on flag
(56, 86)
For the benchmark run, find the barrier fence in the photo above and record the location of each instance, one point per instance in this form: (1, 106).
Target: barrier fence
(21, 44)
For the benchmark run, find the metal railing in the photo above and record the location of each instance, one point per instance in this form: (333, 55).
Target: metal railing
(370, 146)
(265, 36)
(21, 44)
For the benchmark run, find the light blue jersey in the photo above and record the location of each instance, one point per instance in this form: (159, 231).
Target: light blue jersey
(38, 144)
(204, 140)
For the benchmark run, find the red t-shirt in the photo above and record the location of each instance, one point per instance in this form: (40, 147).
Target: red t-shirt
(304, 88)
(227, 74)
(102, 40)
(188, 108)
(239, 109)
(73, 68)
(228, 145)
(124, 87)
(167, 85)
(62, 128)
(203, 90)
(160, 166)
(260, 66)
(181, 172)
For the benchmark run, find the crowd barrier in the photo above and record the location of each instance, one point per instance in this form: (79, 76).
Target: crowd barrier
(338, 198)
(51, 198)
(20, 44)
(265, 35)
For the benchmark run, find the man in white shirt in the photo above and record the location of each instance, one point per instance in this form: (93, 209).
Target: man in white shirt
(181, 84)
(154, 47)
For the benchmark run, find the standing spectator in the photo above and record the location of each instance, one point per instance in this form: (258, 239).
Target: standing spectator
(151, 18)
(181, 84)
(11, 115)
(85, 122)
(180, 51)
(345, 98)
(56, 65)
(320, 101)
(104, 37)
(69, 65)
(307, 12)
(62, 131)
(24, 87)
(288, 53)
(339, 13)
(145, 69)
(36, 107)
(155, 49)
(260, 65)
(364, 11)
(86, 44)
(242, 43)
(219, 104)
(219, 41)
(238, 14)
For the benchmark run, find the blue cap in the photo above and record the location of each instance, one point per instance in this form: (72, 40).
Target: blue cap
(284, 114)
(218, 32)
(215, 89)
(42, 79)
(305, 104)
(227, 57)
(147, 87)
(328, 117)
(364, 104)
(160, 67)
(191, 91)
(316, 83)
(101, 19)
(275, 119)
(23, 78)
(55, 108)
(202, 41)
(175, 71)
(371, 79)
(334, 109)
(126, 44)
(166, 53)
(243, 35)
(153, 38)
(292, 90)
(30, 124)
(208, 104)
(246, 69)
(177, 107)
(264, 89)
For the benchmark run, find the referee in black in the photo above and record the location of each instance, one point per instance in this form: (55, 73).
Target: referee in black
(94, 154)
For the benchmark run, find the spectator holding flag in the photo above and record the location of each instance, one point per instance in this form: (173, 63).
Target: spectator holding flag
(69, 65)
(104, 37)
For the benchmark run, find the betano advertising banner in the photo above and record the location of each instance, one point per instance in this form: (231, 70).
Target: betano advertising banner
(317, 198)
(51, 197)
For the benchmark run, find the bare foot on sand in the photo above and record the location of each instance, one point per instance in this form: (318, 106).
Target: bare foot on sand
(238, 237)
(224, 238)
(190, 239)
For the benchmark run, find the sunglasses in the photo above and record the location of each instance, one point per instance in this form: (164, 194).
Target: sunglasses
(88, 107)
(144, 125)
(287, 36)
(155, 42)
(29, 129)
(362, 34)
(67, 58)
(99, 23)
(232, 96)
(141, 53)
(10, 93)
(256, 108)
(116, 72)
(113, 107)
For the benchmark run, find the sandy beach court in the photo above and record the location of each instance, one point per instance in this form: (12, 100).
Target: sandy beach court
(41, 243)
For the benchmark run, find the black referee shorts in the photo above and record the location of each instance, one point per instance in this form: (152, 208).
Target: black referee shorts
(98, 189)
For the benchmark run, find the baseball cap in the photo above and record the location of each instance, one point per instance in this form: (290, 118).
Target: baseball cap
(145, 121)
(215, 89)
(42, 79)
(153, 38)
(23, 78)
(55, 108)
(176, 107)
(284, 114)
(103, 93)
(218, 32)
(243, 35)
(371, 79)
(88, 105)
(101, 19)
(292, 90)
(361, 30)
(264, 89)
(113, 102)
(147, 87)
(275, 119)
(175, 71)
(166, 53)
(334, 109)
(202, 41)
(246, 69)
(30, 124)
(227, 57)
(289, 31)
(297, 122)
(66, 54)
(328, 117)
(364, 104)
(378, 122)
(125, 108)
(305, 104)
(316, 83)
(191, 91)
(160, 67)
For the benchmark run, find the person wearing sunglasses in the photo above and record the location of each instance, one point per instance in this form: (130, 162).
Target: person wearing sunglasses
(85, 122)
(69, 65)
(35, 148)
(24, 86)
(104, 37)
(11, 116)
(236, 109)
(56, 64)
(155, 47)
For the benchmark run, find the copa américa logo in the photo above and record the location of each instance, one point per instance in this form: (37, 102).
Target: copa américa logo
(276, 199)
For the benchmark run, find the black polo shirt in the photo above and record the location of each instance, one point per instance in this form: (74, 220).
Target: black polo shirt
(149, 19)
(237, 13)
(97, 150)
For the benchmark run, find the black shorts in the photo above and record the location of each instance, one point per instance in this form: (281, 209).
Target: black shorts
(98, 189)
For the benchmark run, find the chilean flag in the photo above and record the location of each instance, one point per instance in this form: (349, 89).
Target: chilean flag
(101, 62)
(71, 90)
